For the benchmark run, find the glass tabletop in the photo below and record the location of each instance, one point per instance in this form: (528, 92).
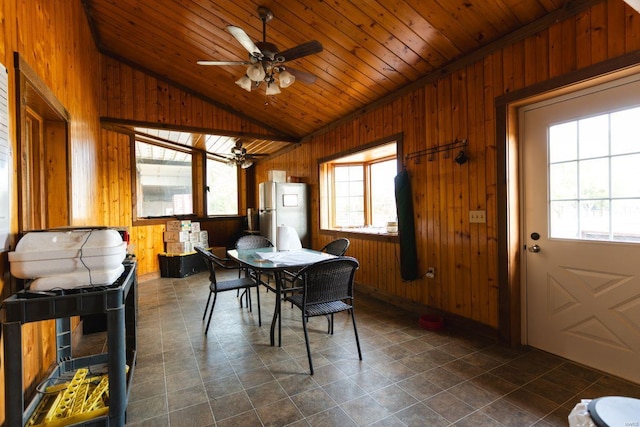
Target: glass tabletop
(272, 259)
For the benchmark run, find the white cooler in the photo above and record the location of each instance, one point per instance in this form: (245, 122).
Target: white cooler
(69, 258)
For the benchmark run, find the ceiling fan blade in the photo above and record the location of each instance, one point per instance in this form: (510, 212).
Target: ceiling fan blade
(302, 76)
(224, 63)
(244, 40)
(308, 48)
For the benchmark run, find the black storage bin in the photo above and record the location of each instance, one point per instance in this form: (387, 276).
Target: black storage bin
(182, 265)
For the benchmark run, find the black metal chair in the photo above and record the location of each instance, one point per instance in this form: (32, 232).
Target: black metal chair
(336, 247)
(215, 286)
(327, 288)
(252, 241)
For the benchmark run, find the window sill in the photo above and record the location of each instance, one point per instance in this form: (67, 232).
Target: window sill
(365, 233)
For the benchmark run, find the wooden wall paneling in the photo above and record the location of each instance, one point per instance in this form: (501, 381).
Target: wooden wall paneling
(460, 126)
(151, 99)
(555, 52)
(126, 91)
(443, 176)
(599, 43)
(542, 51)
(632, 30)
(530, 61)
(583, 39)
(433, 213)
(412, 139)
(615, 32)
(518, 64)
(138, 92)
(57, 174)
(569, 56)
(494, 86)
(474, 83)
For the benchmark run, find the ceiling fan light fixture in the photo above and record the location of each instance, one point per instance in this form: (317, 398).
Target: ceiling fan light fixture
(286, 79)
(245, 83)
(256, 72)
(246, 165)
(272, 88)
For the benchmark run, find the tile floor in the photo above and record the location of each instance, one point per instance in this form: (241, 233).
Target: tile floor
(409, 376)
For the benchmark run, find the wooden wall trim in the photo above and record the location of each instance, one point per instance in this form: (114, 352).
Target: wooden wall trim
(451, 320)
(124, 125)
(599, 70)
(23, 70)
(508, 250)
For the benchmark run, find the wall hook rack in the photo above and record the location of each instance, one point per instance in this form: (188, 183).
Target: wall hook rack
(430, 152)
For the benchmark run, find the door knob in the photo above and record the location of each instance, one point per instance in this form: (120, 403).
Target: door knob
(534, 248)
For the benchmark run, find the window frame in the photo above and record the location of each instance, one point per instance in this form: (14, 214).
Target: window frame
(327, 190)
(198, 175)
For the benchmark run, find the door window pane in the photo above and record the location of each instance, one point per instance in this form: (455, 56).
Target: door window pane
(593, 179)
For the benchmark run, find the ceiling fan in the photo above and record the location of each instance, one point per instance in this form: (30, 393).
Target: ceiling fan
(266, 60)
(240, 157)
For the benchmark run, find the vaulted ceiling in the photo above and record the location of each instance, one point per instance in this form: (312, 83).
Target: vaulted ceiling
(371, 48)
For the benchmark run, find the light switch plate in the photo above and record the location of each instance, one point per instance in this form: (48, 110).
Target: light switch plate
(479, 217)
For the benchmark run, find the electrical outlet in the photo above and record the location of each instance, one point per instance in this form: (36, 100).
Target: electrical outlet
(479, 217)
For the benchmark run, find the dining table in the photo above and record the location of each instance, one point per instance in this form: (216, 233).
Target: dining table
(271, 261)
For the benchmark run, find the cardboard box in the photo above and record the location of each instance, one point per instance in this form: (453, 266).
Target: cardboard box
(176, 236)
(195, 227)
(194, 237)
(179, 248)
(179, 225)
(277, 176)
(204, 236)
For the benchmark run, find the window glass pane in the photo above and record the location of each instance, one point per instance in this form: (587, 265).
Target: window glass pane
(603, 203)
(563, 142)
(594, 219)
(594, 178)
(594, 137)
(624, 221)
(383, 192)
(564, 219)
(563, 181)
(164, 181)
(222, 188)
(625, 176)
(349, 202)
(625, 131)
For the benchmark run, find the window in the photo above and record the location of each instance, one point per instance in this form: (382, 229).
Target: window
(357, 190)
(222, 188)
(164, 179)
(184, 173)
(593, 178)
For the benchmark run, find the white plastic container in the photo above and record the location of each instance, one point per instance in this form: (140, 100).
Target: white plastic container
(81, 252)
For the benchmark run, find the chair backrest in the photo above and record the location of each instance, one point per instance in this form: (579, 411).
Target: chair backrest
(328, 280)
(337, 247)
(211, 261)
(252, 242)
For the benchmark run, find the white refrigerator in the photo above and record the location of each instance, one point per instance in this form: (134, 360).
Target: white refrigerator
(283, 203)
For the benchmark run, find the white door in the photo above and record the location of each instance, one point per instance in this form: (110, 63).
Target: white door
(581, 225)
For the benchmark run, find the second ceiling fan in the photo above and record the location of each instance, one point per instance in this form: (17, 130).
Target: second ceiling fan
(266, 61)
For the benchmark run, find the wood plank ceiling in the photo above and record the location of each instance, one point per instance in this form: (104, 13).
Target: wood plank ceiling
(372, 48)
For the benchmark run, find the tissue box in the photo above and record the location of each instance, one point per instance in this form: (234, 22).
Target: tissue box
(179, 225)
(176, 236)
(179, 247)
